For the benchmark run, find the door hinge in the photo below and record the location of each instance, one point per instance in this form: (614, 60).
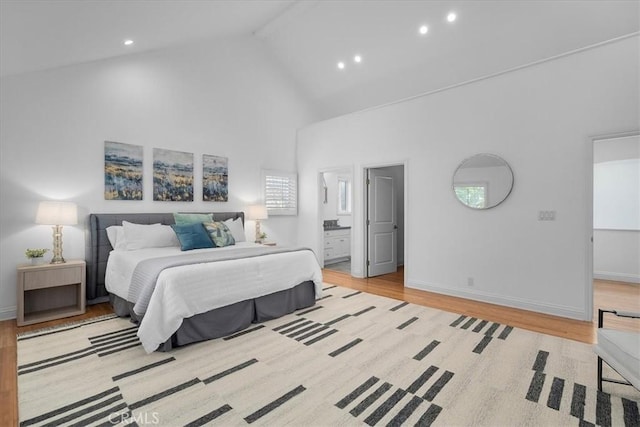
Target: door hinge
(368, 263)
(368, 222)
(368, 181)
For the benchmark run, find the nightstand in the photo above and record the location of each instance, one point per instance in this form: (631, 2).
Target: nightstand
(50, 291)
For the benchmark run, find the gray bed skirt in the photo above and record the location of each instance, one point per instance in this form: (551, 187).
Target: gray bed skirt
(227, 320)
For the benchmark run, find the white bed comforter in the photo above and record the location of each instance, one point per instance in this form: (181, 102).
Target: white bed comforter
(188, 290)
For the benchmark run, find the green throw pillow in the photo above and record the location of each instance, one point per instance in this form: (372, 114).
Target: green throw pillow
(190, 218)
(219, 234)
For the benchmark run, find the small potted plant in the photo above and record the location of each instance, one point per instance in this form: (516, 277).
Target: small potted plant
(36, 255)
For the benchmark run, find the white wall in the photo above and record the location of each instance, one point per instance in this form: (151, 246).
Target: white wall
(616, 195)
(616, 255)
(224, 98)
(539, 119)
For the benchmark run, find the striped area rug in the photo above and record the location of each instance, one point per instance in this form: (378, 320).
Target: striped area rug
(352, 359)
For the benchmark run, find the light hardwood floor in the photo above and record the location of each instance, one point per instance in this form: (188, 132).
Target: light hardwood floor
(616, 295)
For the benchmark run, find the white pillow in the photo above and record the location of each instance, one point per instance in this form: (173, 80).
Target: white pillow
(115, 233)
(237, 229)
(141, 236)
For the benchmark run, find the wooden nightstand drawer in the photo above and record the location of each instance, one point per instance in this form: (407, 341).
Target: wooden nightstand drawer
(48, 278)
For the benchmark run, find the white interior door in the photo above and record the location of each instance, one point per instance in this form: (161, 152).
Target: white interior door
(382, 230)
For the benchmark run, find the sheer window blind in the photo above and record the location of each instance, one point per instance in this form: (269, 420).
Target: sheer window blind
(280, 192)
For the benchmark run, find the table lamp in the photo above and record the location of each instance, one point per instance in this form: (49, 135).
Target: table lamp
(57, 214)
(257, 213)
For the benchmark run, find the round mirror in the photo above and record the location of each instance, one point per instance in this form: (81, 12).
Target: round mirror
(482, 181)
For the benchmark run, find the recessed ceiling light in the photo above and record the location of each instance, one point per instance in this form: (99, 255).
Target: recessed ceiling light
(128, 42)
(451, 17)
(357, 59)
(341, 65)
(423, 30)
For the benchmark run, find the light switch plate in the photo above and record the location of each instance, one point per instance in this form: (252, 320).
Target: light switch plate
(546, 215)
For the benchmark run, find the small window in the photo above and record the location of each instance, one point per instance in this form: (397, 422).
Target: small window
(344, 196)
(473, 195)
(280, 192)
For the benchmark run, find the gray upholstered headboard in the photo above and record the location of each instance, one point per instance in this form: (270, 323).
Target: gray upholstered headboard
(98, 246)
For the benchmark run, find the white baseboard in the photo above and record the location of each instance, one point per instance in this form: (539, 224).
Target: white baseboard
(8, 313)
(553, 309)
(616, 277)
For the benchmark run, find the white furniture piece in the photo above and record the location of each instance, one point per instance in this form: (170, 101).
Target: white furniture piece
(337, 245)
(50, 291)
(619, 349)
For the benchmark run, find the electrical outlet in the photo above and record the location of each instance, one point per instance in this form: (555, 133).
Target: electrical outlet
(469, 281)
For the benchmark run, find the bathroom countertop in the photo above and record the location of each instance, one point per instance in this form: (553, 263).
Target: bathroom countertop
(340, 227)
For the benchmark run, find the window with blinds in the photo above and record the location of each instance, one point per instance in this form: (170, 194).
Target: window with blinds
(280, 192)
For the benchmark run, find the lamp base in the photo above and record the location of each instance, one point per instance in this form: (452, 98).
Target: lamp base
(57, 245)
(258, 233)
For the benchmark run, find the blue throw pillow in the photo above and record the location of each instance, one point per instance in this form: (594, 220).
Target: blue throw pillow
(192, 236)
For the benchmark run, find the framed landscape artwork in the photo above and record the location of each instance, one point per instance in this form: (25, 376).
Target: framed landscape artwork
(172, 175)
(122, 171)
(215, 178)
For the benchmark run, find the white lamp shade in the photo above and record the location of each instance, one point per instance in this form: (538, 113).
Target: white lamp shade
(257, 212)
(57, 213)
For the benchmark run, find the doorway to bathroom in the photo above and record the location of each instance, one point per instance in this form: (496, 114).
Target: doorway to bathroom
(336, 215)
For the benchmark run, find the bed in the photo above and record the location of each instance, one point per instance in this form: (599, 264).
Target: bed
(201, 294)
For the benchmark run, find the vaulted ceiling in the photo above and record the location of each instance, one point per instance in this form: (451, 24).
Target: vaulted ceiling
(309, 38)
